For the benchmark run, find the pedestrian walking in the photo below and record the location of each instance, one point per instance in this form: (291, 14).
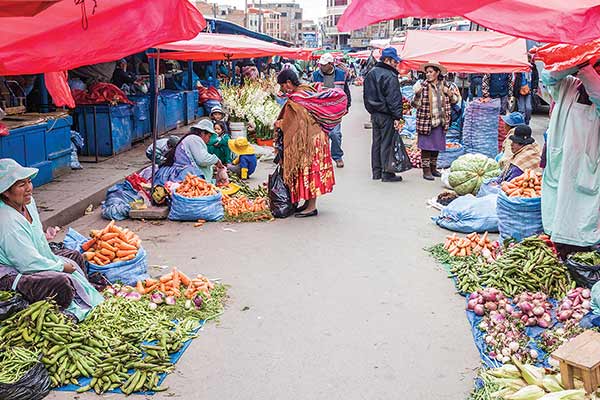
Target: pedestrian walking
(333, 77)
(498, 86)
(475, 86)
(464, 84)
(383, 100)
(433, 100)
(305, 122)
(525, 85)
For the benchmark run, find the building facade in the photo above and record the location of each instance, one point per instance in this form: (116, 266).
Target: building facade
(225, 12)
(290, 18)
(264, 21)
(310, 34)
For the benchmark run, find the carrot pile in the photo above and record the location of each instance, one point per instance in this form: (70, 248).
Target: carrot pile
(527, 185)
(192, 186)
(176, 284)
(241, 208)
(110, 245)
(472, 244)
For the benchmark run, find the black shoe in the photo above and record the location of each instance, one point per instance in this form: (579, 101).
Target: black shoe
(434, 172)
(391, 178)
(306, 215)
(302, 207)
(376, 177)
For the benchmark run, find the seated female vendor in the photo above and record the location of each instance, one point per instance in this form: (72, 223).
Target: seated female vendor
(191, 155)
(524, 154)
(27, 264)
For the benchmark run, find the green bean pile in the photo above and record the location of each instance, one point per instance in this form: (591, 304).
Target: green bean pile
(14, 364)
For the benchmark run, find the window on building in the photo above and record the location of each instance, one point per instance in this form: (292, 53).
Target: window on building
(284, 14)
(336, 19)
(298, 15)
(340, 2)
(300, 26)
(223, 12)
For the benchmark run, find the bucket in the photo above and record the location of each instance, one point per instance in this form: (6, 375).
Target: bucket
(238, 129)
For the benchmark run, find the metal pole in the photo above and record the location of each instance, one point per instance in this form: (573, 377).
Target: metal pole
(155, 119)
(44, 106)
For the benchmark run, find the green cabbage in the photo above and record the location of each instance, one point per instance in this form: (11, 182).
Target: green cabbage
(468, 172)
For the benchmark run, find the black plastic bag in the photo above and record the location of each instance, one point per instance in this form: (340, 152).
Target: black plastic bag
(34, 385)
(12, 306)
(279, 195)
(584, 275)
(399, 160)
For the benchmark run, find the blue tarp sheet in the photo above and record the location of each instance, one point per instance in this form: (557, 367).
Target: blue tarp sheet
(174, 358)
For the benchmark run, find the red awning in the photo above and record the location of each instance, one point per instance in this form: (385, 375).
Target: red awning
(558, 21)
(55, 40)
(365, 54)
(468, 52)
(214, 47)
(559, 57)
(361, 13)
(24, 8)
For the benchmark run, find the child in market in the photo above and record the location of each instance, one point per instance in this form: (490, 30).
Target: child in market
(245, 163)
(219, 143)
(217, 115)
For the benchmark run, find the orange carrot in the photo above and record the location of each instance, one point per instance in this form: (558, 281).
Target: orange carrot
(126, 253)
(184, 279)
(140, 287)
(88, 245)
(166, 278)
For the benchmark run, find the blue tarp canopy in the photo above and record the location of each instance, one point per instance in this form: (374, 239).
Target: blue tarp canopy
(215, 25)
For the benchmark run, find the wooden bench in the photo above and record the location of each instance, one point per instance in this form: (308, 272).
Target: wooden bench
(580, 357)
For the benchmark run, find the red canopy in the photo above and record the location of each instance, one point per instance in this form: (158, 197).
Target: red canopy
(558, 21)
(54, 39)
(24, 8)
(469, 52)
(361, 13)
(365, 54)
(214, 47)
(559, 57)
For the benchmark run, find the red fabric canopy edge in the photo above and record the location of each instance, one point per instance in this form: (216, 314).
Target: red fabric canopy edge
(560, 57)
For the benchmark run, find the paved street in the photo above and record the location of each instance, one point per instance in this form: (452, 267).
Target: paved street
(344, 306)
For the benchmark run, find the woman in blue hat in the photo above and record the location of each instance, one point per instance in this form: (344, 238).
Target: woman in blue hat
(27, 264)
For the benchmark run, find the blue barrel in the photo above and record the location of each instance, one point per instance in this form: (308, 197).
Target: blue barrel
(190, 105)
(173, 108)
(113, 126)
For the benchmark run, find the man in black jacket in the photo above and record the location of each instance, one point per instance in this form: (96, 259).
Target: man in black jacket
(383, 100)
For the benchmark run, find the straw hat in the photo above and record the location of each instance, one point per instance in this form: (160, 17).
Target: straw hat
(241, 146)
(12, 172)
(436, 64)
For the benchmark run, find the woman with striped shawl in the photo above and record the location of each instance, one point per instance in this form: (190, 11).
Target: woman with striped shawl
(433, 99)
(305, 122)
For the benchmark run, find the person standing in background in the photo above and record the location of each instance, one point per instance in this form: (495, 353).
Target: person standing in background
(498, 86)
(433, 99)
(475, 86)
(333, 77)
(383, 100)
(526, 83)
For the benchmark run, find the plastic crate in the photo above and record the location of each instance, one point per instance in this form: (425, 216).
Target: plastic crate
(142, 123)
(190, 105)
(44, 173)
(25, 145)
(58, 144)
(114, 127)
(173, 108)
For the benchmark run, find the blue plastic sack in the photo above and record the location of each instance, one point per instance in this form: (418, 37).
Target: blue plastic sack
(480, 128)
(469, 214)
(408, 92)
(518, 217)
(489, 186)
(208, 208)
(127, 272)
(410, 126)
(445, 158)
(118, 197)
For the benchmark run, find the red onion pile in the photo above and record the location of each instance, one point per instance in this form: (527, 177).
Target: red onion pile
(575, 305)
(533, 309)
(505, 338)
(486, 300)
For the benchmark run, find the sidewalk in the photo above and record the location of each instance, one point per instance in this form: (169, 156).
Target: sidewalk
(66, 198)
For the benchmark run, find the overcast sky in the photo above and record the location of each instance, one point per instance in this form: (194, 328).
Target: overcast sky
(312, 9)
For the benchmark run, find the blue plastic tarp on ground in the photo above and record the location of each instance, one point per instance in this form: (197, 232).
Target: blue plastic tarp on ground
(173, 358)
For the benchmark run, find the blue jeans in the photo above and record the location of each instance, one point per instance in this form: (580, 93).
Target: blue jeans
(336, 143)
(525, 107)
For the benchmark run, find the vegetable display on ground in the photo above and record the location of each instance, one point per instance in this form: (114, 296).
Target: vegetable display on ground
(527, 185)
(192, 187)
(110, 245)
(468, 172)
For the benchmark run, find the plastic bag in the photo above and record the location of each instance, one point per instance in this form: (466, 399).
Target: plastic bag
(469, 214)
(445, 158)
(222, 177)
(34, 385)
(410, 126)
(127, 272)
(4, 130)
(208, 208)
(399, 159)
(584, 275)
(488, 187)
(117, 203)
(279, 195)
(518, 217)
(12, 306)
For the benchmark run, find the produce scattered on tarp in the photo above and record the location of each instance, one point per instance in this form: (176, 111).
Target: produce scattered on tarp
(110, 245)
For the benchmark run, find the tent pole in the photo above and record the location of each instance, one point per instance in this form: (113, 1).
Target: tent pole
(156, 72)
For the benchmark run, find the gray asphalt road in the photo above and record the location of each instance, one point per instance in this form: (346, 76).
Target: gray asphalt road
(343, 306)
